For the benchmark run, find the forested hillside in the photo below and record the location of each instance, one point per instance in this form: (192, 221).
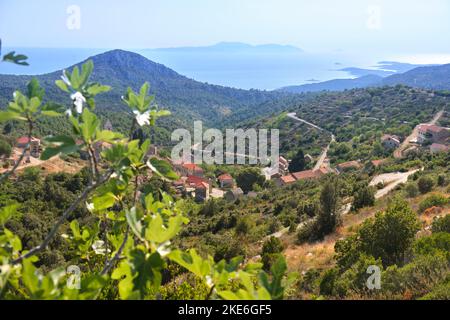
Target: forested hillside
(187, 99)
(357, 117)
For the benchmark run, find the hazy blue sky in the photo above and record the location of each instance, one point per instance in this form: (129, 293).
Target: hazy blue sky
(400, 26)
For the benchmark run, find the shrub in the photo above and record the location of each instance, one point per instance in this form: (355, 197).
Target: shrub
(438, 243)
(441, 224)
(442, 181)
(434, 200)
(364, 197)
(411, 190)
(425, 184)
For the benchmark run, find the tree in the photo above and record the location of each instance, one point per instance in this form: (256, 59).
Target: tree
(425, 184)
(389, 237)
(248, 177)
(272, 248)
(363, 197)
(298, 162)
(126, 246)
(5, 148)
(329, 216)
(411, 190)
(391, 233)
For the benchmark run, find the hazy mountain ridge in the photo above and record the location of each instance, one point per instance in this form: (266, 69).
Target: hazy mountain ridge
(236, 47)
(186, 98)
(427, 77)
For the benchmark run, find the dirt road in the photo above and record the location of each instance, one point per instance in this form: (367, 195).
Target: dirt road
(390, 181)
(324, 154)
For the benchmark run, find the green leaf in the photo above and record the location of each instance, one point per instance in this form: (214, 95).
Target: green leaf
(52, 109)
(11, 115)
(8, 212)
(62, 85)
(95, 89)
(135, 223)
(35, 90)
(59, 144)
(158, 233)
(104, 201)
(162, 168)
(86, 71)
(75, 78)
(192, 262)
(108, 136)
(19, 59)
(89, 125)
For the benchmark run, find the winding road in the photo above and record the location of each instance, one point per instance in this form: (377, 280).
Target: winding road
(324, 154)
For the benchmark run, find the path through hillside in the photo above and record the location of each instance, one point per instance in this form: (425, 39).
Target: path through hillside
(324, 154)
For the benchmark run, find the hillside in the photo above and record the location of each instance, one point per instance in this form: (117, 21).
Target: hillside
(357, 117)
(435, 77)
(336, 85)
(427, 77)
(186, 98)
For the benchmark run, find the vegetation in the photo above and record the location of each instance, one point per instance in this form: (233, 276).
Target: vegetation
(125, 246)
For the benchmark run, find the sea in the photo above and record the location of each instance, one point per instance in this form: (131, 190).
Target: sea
(246, 70)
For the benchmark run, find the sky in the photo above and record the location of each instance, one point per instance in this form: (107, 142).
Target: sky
(402, 27)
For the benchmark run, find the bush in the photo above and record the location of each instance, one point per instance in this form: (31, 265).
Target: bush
(411, 190)
(438, 243)
(425, 184)
(434, 200)
(441, 224)
(272, 245)
(388, 236)
(364, 197)
(442, 181)
(5, 148)
(306, 232)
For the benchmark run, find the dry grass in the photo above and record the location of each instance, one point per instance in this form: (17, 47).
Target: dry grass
(320, 255)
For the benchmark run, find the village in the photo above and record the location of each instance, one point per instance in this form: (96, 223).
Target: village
(193, 182)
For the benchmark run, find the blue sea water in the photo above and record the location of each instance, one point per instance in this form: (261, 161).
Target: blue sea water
(269, 70)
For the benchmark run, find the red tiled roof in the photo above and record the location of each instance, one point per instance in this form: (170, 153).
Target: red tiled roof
(22, 140)
(225, 176)
(192, 166)
(308, 174)
(193, 180)
(287, 179)
(202, 185)
(439, 147)
(431, 127)
(349, 164)
(376, 163)
(25, 140)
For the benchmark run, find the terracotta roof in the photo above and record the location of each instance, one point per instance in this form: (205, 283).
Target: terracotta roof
(376, 163)
(308, 174)
(224, 176)
(349, 164)
(288, 179)
(439, 147)
(431, 128)
(192, 166)
(25, 140)
(202, 185)
(193, 180)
